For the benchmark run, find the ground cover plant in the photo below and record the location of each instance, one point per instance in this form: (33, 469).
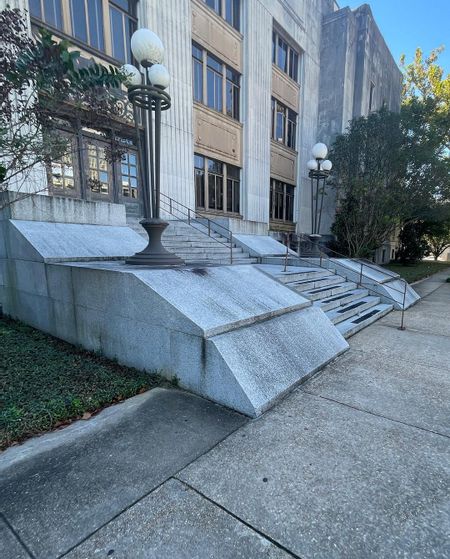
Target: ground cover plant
(419, 270)
(45, 383)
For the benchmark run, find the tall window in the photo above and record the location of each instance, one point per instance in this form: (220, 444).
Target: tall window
(232, 93)
(87, 22)
(129, 175)
(281, 201)
(214, 84)
(285, 56)
(61, 173)
(122, 14)
(284, 124)
(217, 185)
(230, 10)
(222, 83)
(98, 169)
(49, 11)
(197, 72)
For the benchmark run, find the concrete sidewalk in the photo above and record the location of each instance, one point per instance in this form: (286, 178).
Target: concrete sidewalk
(353, 464)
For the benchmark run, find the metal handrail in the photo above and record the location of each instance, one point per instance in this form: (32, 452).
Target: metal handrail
(323, 255)
(194, 218)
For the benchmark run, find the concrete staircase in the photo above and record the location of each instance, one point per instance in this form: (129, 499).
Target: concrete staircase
(195, 246)
(348, 307)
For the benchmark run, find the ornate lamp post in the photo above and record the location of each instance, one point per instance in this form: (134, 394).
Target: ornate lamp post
(319, 170)
(151, 98)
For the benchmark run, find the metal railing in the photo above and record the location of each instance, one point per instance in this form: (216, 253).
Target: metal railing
(324, 260)
(198, 221)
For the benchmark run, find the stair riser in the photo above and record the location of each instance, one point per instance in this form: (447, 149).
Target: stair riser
(316, 284)
(357, 327)
(288, 278)
(329, 292)
(344, 301)
(354, 312)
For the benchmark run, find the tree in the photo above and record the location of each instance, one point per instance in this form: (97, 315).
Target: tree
(412, 245)
(37, 79)
(369, 166)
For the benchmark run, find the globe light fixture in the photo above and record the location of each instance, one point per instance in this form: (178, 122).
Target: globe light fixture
(319, 169)
(319, 151)
(326, 165)
(148, 98)
(147, 47)
(134, 77)
(159, 76)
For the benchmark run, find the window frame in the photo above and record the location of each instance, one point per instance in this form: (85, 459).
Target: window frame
(293, 56)
(289, 124)
(216, 183)
(287, 206)
(225, 78)
(223, 7)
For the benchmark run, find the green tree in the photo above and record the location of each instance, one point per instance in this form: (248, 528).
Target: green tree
(369, 166)
(37, 79)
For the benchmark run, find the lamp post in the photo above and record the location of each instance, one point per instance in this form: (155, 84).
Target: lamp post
(319, 170)
(151, 98)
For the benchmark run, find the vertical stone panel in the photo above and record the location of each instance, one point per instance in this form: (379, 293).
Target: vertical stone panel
(171, 20)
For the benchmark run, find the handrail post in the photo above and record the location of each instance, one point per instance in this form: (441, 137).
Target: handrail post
(209, 228)
(231, 249)
(361, 275)
(189, 216)
(402, 325)
(170, 206)
(320, 264)
(287, 252)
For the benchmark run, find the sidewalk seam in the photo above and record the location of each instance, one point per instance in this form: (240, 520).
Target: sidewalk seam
(135, 502)
(376, 414)
(239, 519)
(16, 535)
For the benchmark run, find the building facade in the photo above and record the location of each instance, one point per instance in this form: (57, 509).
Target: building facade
(254, 84)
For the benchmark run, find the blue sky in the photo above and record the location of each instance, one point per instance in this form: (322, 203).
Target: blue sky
(407, 24)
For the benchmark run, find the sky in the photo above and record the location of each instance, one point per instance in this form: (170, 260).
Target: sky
(407, 24)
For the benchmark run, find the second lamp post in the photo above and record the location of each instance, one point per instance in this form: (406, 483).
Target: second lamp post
(319, 170)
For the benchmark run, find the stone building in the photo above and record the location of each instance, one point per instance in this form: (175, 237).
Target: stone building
(254, 85)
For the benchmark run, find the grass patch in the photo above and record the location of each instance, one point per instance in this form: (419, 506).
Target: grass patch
(420, 270)
(46, 383)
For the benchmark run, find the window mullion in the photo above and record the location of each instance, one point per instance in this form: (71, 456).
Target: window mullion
(224, 89)
(66, 17)
(205, 78)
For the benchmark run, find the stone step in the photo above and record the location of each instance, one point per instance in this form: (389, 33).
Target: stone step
(349, 327)
(206, 242)
(220, 262)
(354, 308)
(341, 299)
(219, 249)
(307, 285)
(326, 292)
(308, 274)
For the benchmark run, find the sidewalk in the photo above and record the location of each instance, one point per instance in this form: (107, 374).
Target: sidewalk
(355, 464)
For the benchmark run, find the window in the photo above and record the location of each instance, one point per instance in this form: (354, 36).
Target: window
(284, 124)
(214, 81)
(197, 72)
(232, 92)
(233, 13)
(123, 24)
(98, 169)
(217, 185)
(281, 201)
(49, 11)
(285, 56)
(230, 10)
(61, 174)
(233, 189)
(128, 171)
(222, 83)
(199, 180)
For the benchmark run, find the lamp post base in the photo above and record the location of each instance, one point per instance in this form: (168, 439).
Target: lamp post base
(154, 254)
(315, 251)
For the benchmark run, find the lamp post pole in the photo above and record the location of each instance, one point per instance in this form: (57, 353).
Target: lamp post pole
(319, 170)
(149, 97)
